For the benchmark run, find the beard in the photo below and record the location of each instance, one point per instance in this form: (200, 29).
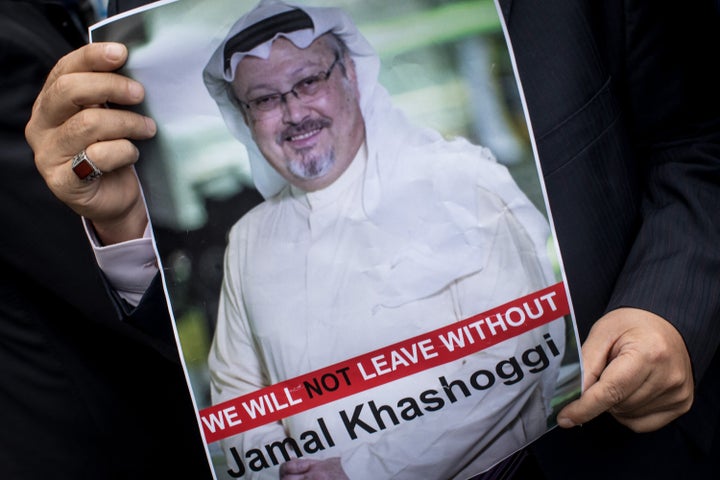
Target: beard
(309, 165)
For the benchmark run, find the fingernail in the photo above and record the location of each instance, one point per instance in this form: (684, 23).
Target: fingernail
(114, 51)
(565, 422)
(136, 90)
(151, 126)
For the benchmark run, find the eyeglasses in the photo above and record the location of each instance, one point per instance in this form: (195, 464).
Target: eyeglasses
(304, 90)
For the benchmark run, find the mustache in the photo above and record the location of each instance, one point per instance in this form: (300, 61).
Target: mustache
(305, 126)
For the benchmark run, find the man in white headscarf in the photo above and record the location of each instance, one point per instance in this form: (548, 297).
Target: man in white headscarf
(373, 231)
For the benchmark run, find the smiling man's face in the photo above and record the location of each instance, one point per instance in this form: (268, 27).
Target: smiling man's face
(310, 140)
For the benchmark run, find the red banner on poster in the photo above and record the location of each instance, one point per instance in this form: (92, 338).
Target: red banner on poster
(384, 365)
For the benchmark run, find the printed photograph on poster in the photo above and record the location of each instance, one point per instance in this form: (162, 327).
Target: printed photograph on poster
(353, 235)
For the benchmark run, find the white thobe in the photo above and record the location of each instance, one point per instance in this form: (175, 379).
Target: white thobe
(316, 278)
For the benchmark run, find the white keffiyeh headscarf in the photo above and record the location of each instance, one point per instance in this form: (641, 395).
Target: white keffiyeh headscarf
(266, 22)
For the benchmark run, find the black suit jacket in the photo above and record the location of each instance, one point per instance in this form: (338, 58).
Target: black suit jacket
(624, 104)
(86, 391)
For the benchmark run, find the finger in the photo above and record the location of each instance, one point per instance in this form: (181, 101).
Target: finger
(618, 381)
(109, 199)
(655, 394)
(107, 156)
(296, 466)
(73, 92)
(644, 400)
(113, 154)
(596, 352)
(648, 423)
(656, 406)
(86, 128)
(99, 125)
(99, 57)
(95, 57)
(656, 400)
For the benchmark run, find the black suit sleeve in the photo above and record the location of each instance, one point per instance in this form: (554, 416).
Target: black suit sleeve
(623, 100)
(624, 109)
(673, 89)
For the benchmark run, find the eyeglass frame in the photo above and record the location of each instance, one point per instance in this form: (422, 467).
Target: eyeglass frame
(320, 77)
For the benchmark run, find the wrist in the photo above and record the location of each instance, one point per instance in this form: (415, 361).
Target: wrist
(128, 226)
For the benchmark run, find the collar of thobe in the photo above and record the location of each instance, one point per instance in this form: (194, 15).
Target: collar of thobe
(339, 188)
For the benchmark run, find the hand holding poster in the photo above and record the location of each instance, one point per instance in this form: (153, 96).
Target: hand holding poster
(390, 308)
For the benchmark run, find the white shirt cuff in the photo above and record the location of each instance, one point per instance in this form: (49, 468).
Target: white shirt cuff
(129, 266)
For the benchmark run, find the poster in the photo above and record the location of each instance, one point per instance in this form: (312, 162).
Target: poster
(354, 240)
